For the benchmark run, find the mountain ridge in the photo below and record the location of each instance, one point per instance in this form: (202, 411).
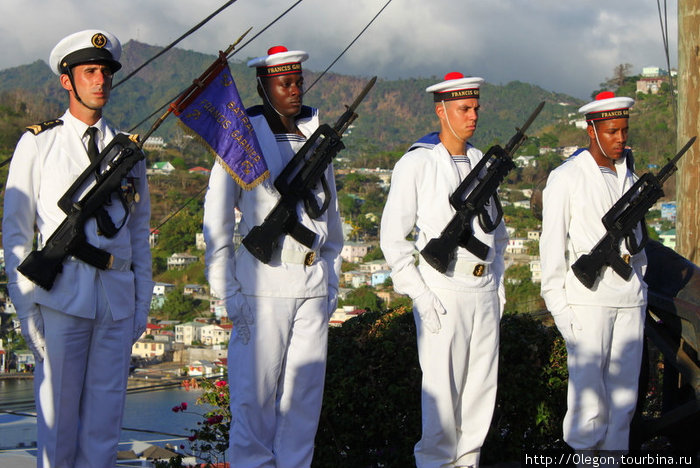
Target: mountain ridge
(394, 114)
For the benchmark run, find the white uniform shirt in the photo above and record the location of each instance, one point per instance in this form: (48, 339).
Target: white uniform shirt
(43, 167)
(229, 272)
(574, 201)
(421, 184)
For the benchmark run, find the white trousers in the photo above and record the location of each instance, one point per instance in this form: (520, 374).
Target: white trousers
(604, 361)
(80, 388)
(460, 373)
(276, 383)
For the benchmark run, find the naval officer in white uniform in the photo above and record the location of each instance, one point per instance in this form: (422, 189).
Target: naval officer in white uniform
(82, 329)
(280, 310)
(457, 314)
(603, 326)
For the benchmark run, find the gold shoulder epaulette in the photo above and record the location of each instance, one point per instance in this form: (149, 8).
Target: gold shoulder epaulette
(38, 128)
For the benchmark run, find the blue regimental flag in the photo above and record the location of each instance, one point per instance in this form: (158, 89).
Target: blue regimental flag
(216, 114)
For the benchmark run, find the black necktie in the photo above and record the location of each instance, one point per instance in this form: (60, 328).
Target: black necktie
(92, 150)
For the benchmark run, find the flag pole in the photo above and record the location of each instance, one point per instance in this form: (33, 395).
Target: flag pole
(198, 84)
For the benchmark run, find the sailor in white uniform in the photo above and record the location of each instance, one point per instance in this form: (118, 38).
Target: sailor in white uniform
(457, 314)
(82, 329)
(280, 310)
(602, 326)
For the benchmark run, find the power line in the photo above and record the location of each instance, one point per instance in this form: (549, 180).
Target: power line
(663, 19)
(172, 44)
(349, 45)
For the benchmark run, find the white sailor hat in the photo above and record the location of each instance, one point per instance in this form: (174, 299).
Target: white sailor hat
(456, 86)
(91, 45)
(279, 61)
(607, 106)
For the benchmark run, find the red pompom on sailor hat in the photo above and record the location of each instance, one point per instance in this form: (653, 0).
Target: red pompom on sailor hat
(90, 45)
(607, 106)
(278, 61)
(456, 86)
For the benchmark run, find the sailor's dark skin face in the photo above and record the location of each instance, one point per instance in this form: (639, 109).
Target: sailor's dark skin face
(612, 136)
(285, 94)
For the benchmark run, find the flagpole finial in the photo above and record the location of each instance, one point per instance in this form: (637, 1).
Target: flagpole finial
(233, 46)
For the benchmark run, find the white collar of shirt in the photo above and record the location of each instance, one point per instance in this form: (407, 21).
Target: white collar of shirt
(80, 127)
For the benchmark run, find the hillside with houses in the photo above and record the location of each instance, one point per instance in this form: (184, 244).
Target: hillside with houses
(189, 331)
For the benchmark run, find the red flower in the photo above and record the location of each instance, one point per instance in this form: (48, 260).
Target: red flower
(220, 383)
(181, 407)
(216, 419)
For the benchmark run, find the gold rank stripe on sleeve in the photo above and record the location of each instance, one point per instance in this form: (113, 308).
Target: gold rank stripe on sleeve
(38, 128)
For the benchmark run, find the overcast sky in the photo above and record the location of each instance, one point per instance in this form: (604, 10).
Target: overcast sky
(560, 45)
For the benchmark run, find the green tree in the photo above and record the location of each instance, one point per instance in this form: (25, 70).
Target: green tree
(375, 253)
(349, 205)
(549, 140)
(177, 306)
(178, 234)
(364, 298)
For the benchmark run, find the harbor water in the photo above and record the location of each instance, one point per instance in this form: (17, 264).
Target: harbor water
(148, 415)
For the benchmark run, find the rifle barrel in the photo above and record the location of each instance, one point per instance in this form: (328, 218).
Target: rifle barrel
(532, 117)
(670, 167)
(519, 136)
(342, 121)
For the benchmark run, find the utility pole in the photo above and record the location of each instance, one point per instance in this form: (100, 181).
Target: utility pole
(688, 175)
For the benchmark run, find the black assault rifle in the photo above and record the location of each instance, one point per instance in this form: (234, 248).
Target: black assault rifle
(296, 183)
(42, 266)
(621, 221)
(441, 251)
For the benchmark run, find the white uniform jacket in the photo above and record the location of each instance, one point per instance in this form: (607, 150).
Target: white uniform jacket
(43, 168)
(574, 201)
(229, 272)
(421, 184)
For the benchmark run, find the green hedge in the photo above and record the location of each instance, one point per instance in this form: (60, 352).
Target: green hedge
(371, 407)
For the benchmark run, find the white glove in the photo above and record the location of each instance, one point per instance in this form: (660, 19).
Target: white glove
(332, 301)
(140, 321)
(566, 323)
(32, 324)
(429, 309)
(241, 316)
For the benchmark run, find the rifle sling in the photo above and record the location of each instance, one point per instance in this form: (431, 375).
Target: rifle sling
(92, 255)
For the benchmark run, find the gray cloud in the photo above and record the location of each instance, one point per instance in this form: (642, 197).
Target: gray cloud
(559, 45)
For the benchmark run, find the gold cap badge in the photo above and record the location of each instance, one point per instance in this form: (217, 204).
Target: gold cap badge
(99, 40)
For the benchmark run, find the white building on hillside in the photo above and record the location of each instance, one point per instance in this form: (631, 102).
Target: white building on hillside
(517, 245)
(354, 252)
(181, 260)
(188, 332)
(215, 334)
